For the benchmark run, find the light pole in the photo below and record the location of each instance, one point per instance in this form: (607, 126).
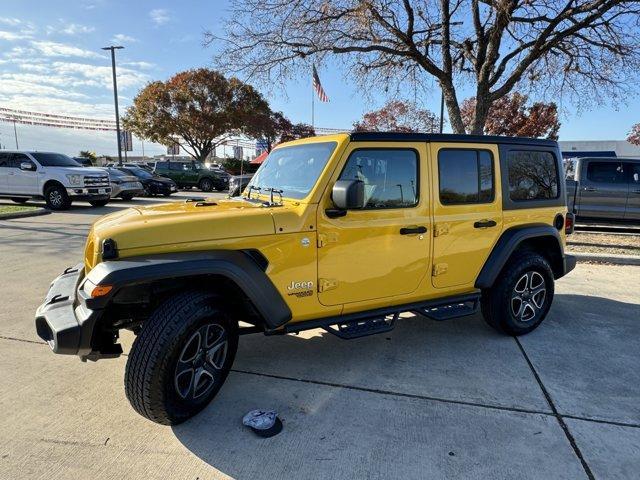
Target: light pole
(113, 49)
(15, 133)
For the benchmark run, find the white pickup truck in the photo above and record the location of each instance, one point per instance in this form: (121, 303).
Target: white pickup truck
(55, 177)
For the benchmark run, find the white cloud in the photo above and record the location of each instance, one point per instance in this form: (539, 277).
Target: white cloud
(33, 67)
(58, 105)
(53, 49)
(68, 28)
(92, 75)
(122, 38)
(140, 65)
(159, 16)
(13, 87)
(10, 21)
(11, 36)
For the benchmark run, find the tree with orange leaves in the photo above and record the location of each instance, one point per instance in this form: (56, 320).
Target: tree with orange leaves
(511, 116)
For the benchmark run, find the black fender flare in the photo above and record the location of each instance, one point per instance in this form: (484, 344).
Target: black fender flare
(508, 242)
(237, 266)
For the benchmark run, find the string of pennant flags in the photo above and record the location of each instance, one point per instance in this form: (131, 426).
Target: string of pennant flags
(25, 117)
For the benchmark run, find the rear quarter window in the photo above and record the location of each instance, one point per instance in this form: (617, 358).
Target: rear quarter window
(533, 175)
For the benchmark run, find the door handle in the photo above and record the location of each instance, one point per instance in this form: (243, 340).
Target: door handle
(590, 189)
(484, 224)
(412, 230)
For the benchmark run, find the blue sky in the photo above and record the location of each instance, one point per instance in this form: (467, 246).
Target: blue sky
(51, 61)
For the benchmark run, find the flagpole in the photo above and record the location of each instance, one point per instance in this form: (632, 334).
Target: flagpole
(313, 101)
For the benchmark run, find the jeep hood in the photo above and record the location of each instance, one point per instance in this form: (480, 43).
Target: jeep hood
(183, 224)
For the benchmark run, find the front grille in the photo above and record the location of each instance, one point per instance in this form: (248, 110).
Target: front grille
(96, 181)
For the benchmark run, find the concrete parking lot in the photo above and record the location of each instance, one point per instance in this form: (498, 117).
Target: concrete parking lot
(429, 400)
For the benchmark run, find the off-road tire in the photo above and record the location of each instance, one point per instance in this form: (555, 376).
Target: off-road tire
(499, 302)
(98, 203)
(127, 197)
(19, 200)
(150, 379)
(57, 198)
(206, 185)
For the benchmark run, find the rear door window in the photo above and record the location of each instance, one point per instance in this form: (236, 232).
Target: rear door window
(533, 175)
(606, 172)
(466, 176)
(5, 160)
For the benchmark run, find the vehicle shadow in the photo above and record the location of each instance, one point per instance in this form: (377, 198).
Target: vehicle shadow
(340, 400)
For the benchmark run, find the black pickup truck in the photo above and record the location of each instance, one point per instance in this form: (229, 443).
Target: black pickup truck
(604, 189)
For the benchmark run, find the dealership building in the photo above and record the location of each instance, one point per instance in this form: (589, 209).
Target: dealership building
(599, 148)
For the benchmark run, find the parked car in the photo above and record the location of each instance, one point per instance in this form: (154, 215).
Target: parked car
(142, 165)
(123, 185)
(237, 183)
(57, 178)
(153, 184)
(191, 174)
(605, 189)
(345, 233)
(84, 161)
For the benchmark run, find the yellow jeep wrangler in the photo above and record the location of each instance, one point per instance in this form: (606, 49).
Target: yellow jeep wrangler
(340, 232)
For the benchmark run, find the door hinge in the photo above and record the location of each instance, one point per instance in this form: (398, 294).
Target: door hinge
(439, 269)
(325, 238)
(440, 229)
(325, 284)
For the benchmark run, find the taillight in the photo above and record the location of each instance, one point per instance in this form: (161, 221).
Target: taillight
(569, 222)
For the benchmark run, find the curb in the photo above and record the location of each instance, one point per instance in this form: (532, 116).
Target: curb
(613, 259)
(29, 213)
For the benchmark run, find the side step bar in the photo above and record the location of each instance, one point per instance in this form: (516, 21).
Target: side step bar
(382, 320)
(448, 309)
(364, 327)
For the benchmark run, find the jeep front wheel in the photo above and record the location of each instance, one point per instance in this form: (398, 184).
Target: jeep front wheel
(181, 358)
(521, 297)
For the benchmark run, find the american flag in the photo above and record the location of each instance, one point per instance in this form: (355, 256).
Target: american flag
(317, 86)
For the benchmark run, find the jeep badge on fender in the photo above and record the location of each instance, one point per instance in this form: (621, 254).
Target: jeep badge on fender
(343, 232)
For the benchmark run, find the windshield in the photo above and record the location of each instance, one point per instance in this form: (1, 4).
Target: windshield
(55, 160)
(294, 170)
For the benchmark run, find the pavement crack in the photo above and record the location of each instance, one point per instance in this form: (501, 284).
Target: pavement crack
(397, 394)
(23, 340)
(556, 414)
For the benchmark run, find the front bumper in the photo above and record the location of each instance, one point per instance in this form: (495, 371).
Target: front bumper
(98, 193)
(63, 320)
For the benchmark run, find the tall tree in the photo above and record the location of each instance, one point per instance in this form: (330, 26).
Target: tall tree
(511, 116)
(398, 116)
(555, 46)
(198, 109)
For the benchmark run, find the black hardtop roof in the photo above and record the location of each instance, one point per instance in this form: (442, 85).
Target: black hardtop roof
(447, 137)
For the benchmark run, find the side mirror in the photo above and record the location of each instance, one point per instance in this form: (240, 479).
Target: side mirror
(27, 166)
(348, 194)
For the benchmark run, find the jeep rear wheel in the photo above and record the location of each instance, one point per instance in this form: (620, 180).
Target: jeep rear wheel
(521, 297)
(57, 198)
(181, 358)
